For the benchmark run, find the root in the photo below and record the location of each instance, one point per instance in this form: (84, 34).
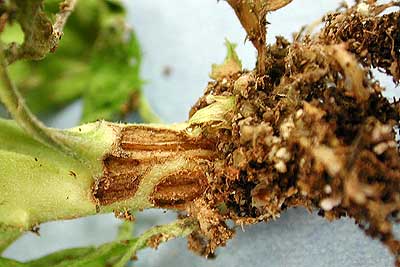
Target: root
(314, 130)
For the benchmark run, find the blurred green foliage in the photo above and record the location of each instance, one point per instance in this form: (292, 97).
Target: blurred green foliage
(98, 60)
(113, 254)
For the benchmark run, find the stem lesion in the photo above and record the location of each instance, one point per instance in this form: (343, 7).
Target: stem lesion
(154, 166)
(167, 169)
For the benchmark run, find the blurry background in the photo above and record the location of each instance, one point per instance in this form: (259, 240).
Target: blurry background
(180, 40)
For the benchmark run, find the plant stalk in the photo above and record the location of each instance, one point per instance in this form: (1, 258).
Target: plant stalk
(132, 167)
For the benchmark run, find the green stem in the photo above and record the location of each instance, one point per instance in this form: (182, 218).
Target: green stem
(146, 112)
(163, 233)
(125, 230)
(128, 167)
(15, 104)
(38, 183)
(52, 138)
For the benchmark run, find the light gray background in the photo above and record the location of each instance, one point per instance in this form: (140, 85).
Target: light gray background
(188, 36)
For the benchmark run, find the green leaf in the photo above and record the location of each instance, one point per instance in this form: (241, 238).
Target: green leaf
(10, 263)
(105, 255)
(231, 65)
(115, 66)
(98, 58)
(125, 230)
(146, 112)
(61, 78)
(7, 236)
(61, 256)
(180, 228)
(215, 112)
(115, 254)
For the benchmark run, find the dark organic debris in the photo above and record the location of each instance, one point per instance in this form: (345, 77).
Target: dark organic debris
(314, 131)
